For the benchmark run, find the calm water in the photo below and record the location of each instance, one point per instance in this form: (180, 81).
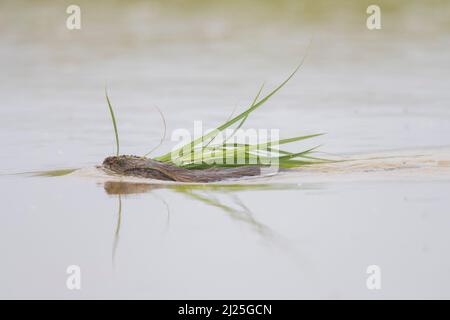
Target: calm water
(371, 91)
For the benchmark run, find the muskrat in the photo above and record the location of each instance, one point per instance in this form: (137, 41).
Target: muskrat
(148, 168)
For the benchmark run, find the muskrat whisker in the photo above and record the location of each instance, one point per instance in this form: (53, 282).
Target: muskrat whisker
(163, 137)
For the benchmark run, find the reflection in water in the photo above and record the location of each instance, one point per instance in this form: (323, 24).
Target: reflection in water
(119, 189)
(167, 209)
(47, 173)
(242, 214)
(205, 194)
(124, 188)
(117, 233)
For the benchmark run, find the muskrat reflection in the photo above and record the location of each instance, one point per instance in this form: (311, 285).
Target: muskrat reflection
(123, 188)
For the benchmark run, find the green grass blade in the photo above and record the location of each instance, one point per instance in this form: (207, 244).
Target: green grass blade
(242, 121)
(260, 103)
(201, 154)
(224, 126)
(228, 157)
(246, 117)
(267, 145)
(299, 154)
(113, 118)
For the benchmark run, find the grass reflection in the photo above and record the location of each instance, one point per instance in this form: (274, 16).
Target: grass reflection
(207, 194)
(117, 232)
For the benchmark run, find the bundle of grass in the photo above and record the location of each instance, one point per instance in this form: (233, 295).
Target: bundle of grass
(208, 159)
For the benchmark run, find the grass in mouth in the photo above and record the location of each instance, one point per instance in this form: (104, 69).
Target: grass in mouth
(205, 152)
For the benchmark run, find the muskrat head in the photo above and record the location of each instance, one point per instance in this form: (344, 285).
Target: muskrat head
(120, 163)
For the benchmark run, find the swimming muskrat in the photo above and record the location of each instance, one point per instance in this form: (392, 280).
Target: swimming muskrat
(148, 168)
(161, 168)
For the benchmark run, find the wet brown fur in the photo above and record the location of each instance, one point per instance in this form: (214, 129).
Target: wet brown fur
(148, 168)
